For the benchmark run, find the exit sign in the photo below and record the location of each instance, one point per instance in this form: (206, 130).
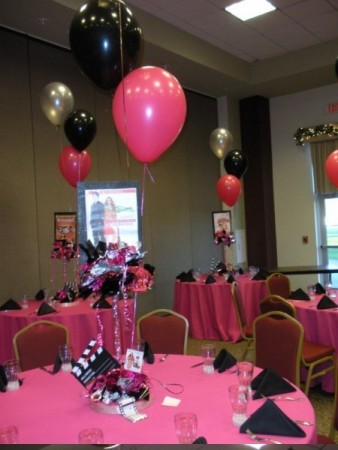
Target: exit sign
(332, 108)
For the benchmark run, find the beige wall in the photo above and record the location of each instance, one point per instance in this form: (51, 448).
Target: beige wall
(294, 200)
(177, 227)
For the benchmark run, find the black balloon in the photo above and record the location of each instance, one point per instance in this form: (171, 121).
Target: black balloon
(80, 128)
(96, 43)
(236, 163)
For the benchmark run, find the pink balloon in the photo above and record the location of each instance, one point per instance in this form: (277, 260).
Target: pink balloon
(74, 165)
(229, 189)
(331, 167)
(149, 110)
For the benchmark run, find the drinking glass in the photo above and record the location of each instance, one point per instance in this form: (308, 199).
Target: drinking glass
(11, 371)
(24, 302)
(244, 372)
(9, 435)
(186, 427)
(238, 396)
(65, 353)
(311, 291)
(208, 354)
(91, 436)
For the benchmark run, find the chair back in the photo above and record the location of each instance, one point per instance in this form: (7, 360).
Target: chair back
(278, 344)
(37, 344)
(278, 284)
(165, 330)
(276, 303)
(239, 307)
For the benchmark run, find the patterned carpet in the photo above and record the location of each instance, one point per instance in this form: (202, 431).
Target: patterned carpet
(321, 401)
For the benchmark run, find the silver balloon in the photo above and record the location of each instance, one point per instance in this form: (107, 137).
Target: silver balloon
(56, 102)
(220, 142)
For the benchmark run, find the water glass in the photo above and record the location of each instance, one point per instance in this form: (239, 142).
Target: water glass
(9, 435)
(311, 291)
(239, 397)
(91, 436)
(11, 371)
(65, 353)
(208, 355)
(244, 372)
(24, 302)
(186, 427)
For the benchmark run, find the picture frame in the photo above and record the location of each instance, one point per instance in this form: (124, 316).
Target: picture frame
(109, 211)
(221, 221)
(65, 227)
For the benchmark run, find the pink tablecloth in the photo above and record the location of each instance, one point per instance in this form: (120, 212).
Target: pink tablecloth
(50, 409)
(319, 326)
(79, 318)
(209, 307)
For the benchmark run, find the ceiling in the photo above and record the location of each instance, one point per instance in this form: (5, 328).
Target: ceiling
(293, 48)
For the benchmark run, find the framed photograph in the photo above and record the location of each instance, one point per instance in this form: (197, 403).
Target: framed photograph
(221, 222)
(65, 227)
(109, 212)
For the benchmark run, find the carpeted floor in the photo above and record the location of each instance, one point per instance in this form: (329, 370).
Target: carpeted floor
(321, 401)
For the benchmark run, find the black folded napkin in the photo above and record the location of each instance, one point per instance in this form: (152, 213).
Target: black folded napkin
(148, 354)
(10, 305)
(221, 268)
(261, 275)
(319, 289)
(224, 360)
(3, 379)
(268, 382)
(210, 279)
(230, 278)
(180, 276)
(45, 309)
(188, 277)
(200, 440)
(270, 419)
(240, 271)
(299, 294)
(40, 295)
(102, 303)
(326, 303)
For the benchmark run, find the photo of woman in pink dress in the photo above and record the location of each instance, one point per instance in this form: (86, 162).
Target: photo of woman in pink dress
(111, 231)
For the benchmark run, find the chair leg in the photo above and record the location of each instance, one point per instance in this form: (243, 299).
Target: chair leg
(248, 347)
(311, 376)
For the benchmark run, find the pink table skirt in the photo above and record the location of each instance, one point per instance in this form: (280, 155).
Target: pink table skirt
(51, 409)
(79, 318)
(209, 307)
(319, 326)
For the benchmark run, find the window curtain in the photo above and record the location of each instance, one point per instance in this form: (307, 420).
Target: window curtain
(320, 151)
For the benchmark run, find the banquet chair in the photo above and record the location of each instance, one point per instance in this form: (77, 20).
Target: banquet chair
(278, 344)
(274, 302)
(244, 327)
(165, 331)
(36, 345)
(278, 284)
(330, 439)
(317, 358)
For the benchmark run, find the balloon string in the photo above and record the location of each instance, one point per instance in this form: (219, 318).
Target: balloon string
(123, 87)
(145, 171)
(60, 137)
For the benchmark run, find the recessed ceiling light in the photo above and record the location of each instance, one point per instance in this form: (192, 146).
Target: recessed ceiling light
(247, 9)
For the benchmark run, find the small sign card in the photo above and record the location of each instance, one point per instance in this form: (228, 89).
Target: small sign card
(134, 360)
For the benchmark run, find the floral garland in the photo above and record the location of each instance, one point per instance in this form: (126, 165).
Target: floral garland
(302, 134)
(223, 237)
(114, 268)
